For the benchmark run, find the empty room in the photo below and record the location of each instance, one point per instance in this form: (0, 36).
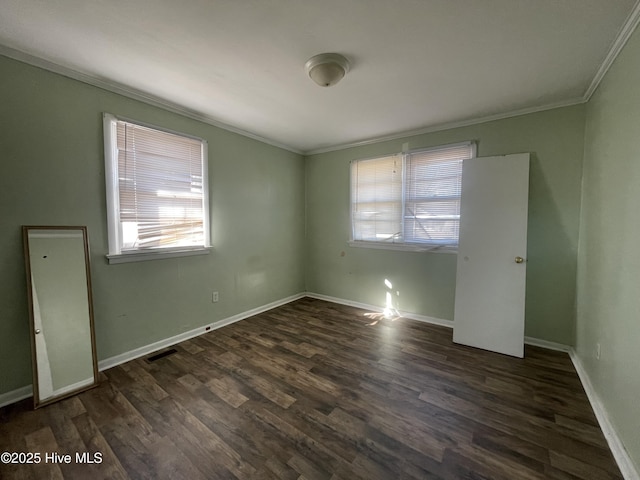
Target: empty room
(320, 240)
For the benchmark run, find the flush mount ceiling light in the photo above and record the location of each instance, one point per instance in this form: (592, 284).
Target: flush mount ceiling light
(327, 69)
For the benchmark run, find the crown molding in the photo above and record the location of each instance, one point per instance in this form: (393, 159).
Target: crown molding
(134, 94)
(180, 110)
(448, 126)
(616, 47)
(621, 39)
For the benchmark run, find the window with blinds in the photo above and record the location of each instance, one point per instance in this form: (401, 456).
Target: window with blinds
(157, 189)
(376, 190)
(411, 199)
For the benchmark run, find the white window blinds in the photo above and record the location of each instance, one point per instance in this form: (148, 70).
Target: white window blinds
(409, 199)
(376, 189)
(160, 195)
(432, 197)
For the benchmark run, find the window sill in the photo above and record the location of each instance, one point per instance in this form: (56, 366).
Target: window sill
(406, 247)
(155, 255)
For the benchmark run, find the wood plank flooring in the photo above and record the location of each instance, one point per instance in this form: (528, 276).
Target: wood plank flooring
(315, 390)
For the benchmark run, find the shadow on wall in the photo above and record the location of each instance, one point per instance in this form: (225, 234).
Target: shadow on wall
(551, 263)
(15, 340)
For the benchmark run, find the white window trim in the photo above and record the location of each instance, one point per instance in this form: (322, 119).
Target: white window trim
(407, 246)
(167, 253)
(113, 205)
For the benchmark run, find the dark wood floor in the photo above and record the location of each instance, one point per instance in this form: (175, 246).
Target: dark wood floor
(316, 390)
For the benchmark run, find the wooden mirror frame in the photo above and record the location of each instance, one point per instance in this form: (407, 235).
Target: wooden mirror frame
(26, 229)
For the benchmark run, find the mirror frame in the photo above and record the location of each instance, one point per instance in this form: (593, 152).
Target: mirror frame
(34, 366)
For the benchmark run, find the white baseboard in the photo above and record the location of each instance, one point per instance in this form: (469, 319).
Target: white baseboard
(621, 456)
(617, 448)
(433, 320)
(167, 342)
(377, 309)
(15, 395)
(537, 342)
(627, 468)
(27, 391)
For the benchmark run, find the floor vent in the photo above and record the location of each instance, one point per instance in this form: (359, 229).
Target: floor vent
(160, 355)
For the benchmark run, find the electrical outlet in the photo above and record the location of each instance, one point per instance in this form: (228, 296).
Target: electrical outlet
(214, 297)
(597, 351)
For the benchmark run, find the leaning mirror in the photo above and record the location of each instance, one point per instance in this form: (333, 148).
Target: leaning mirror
(61, 312)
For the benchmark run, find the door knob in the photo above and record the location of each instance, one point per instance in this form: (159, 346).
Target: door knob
(37, 331)
(519, 259)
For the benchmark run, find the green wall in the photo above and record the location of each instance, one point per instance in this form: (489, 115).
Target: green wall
(53, 174)
(426, 281)
(264, 199)
(609, 253)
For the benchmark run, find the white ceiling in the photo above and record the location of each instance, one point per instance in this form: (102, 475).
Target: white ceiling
(416, 64)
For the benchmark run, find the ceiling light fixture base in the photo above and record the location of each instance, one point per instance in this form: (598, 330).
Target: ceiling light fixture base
(327, 69)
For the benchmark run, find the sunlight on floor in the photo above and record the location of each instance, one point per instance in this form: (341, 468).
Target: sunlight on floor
(390, 311)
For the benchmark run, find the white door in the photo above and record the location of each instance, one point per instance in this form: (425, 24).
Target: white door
(491, 272)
